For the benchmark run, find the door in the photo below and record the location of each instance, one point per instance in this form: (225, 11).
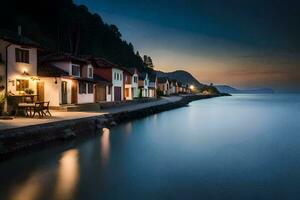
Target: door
(117, 93)
(100, 93)
(40, 91)
(74, 92)
(64, 92)
(127, 92)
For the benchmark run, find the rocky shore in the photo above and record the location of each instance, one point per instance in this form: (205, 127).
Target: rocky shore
(15, 140)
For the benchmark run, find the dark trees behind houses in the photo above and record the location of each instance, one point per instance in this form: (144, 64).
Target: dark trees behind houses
(62, 26)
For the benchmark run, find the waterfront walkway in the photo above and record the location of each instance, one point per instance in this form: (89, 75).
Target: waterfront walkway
(61, 116)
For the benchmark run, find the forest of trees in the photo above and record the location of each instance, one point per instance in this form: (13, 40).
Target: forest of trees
(62, 26)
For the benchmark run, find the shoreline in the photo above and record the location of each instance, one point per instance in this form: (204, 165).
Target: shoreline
(16, 140)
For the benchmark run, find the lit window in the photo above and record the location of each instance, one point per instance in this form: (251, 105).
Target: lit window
(22, 85)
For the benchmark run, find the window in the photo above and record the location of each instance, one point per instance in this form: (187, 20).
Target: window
(82, 87)
(22, 85)
(22, 55)
(90, 88)
(90, 72)
(117, 76)
(135, 79)
(109, 90)
(76, 70)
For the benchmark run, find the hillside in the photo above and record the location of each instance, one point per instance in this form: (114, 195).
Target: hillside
(232, 90)
(62, 26)
(182, 76)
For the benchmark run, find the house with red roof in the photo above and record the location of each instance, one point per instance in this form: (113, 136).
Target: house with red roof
(131, 83)
(113, 74)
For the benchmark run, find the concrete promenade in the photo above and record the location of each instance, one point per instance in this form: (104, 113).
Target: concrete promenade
(64, 116)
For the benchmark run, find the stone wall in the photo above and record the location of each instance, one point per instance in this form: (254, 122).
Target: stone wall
(15, 140)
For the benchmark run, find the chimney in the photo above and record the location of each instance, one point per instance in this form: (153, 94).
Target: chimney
(19, 30)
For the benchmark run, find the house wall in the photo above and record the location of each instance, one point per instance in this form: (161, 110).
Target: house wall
(85, 70)
(86, 98)
(53, 90)
(108, 96)
(2, 78)
(134, 85)
(127, 82)
(152, 93)
(3, 45)
(145, 91)
(16, 69)
(165, 87)
(117, 83)
(130, 96)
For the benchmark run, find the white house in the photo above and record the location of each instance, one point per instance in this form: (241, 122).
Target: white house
(134, 83)
(152, 85)
(65, 79)
(173, 87)
(18, 65)
(144, 84)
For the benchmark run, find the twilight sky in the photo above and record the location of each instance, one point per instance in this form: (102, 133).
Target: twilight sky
(243, 43)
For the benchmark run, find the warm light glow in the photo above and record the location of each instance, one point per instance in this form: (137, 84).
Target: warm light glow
(192, 87)
(29, 190)
(67, 176)
(25, 71)
(105, 145)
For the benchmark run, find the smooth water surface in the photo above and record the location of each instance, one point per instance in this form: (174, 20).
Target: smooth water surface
(239, 147)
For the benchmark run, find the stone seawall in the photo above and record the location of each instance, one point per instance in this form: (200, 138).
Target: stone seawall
(18, 139)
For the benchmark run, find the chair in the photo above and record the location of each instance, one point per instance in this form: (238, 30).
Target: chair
(38, 108)
(46, 108)
(21, 107)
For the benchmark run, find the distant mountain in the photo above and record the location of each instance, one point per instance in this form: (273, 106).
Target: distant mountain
(182, 76)
(227, 89)
(232, 90)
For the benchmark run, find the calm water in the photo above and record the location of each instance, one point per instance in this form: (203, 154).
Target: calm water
(240, 147)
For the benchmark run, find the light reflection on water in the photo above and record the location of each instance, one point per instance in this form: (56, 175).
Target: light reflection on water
(241, 147)
(67, 176)
(105, 145)
(28, 190)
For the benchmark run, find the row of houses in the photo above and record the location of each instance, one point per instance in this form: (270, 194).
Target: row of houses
(169, 86)
(67, 79)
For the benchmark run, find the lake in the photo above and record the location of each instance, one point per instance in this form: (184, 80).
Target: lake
(239, 147)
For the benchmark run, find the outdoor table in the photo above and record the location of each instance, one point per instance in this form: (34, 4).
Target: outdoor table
(27, 107)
